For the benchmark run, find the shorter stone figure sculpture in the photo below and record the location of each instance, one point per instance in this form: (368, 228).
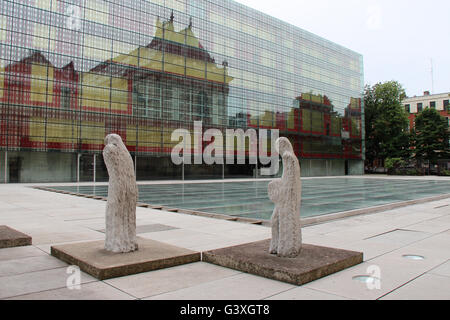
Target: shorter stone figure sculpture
(122, 197)
(285, 193)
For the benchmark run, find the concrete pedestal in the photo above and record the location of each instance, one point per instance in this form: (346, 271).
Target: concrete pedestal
(13, 238)
(92, 258)
(313, 262)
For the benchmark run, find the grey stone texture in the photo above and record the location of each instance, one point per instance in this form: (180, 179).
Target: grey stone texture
(12, 238)
(285, 193)
(314, 263)
(122, 197)
(92, 258)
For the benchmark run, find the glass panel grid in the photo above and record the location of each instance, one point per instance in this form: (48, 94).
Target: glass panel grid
(72, 71)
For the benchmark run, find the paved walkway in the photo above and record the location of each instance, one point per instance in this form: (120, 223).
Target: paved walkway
(384, 237)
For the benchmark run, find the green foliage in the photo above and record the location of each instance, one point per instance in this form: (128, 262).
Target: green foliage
(387, 134)
(413, 172)
(392, 163)
(431, 136)
(396, 166)
(407, 172)
(445, 173)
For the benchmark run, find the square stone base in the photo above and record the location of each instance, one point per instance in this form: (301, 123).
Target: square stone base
(12, 238)
(92, 258)
(313, 262)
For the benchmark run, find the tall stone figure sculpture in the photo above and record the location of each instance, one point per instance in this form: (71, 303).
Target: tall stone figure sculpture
(286, 194)
(122, 197)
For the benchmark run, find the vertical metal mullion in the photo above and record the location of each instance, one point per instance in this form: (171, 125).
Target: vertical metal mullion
(8, 103)
(95, 166)
(6, 166)
(161, 91)
(191, 98)
(111, 66)
(46, 79)
(147, 98)
(80, 100)
(161, 105)
(136, 116)
(78, 166)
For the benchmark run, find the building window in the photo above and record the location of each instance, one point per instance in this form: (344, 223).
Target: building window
(65, 98)
(419, 107)
(148, 95)
(446, 105)
(408, 108)
(433, 104)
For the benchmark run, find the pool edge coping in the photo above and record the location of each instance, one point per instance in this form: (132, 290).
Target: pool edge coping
(305, 221)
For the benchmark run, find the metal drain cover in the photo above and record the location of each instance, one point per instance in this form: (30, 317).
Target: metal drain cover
(365, 279)
(413, 257)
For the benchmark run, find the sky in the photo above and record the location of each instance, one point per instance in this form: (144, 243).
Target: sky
(403, 40)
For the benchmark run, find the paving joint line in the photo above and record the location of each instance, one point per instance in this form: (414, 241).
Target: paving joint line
(406, 245)
(112, 286)
(199, 284)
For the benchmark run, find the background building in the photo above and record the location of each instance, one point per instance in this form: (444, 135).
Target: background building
(73, 71)
(439, 102)
(415, 105)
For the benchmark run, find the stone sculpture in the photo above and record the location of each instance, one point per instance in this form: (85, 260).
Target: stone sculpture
(285, 193)
(122, 197)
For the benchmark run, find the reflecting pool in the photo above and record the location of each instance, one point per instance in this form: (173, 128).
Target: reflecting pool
(249, 199)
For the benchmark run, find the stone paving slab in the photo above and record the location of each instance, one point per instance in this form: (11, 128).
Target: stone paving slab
(425, 287)
(313, 263)
(19, 253)
(302, 293)
(97, 290)
(158, 282)
(29, 264)
(392, 269)
(40, 214)
(93, 259)
(12, 238)
(242, 286)
(442, 270)
(39, 281)
(149, 228)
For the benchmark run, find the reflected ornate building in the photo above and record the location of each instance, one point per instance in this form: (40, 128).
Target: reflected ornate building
(316, 131)
(72, 73)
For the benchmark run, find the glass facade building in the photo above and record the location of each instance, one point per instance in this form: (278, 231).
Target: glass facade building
(73, 71)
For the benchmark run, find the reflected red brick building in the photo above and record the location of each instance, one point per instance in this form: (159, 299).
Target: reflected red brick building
(72, 73)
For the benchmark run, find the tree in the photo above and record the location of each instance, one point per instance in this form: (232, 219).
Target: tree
(393, 164)
(386, 120)
(431, 137)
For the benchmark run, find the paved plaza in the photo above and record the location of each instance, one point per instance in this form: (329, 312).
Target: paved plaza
(390, 240)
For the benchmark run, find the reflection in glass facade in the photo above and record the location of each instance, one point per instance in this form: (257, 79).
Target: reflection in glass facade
(74, 71)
